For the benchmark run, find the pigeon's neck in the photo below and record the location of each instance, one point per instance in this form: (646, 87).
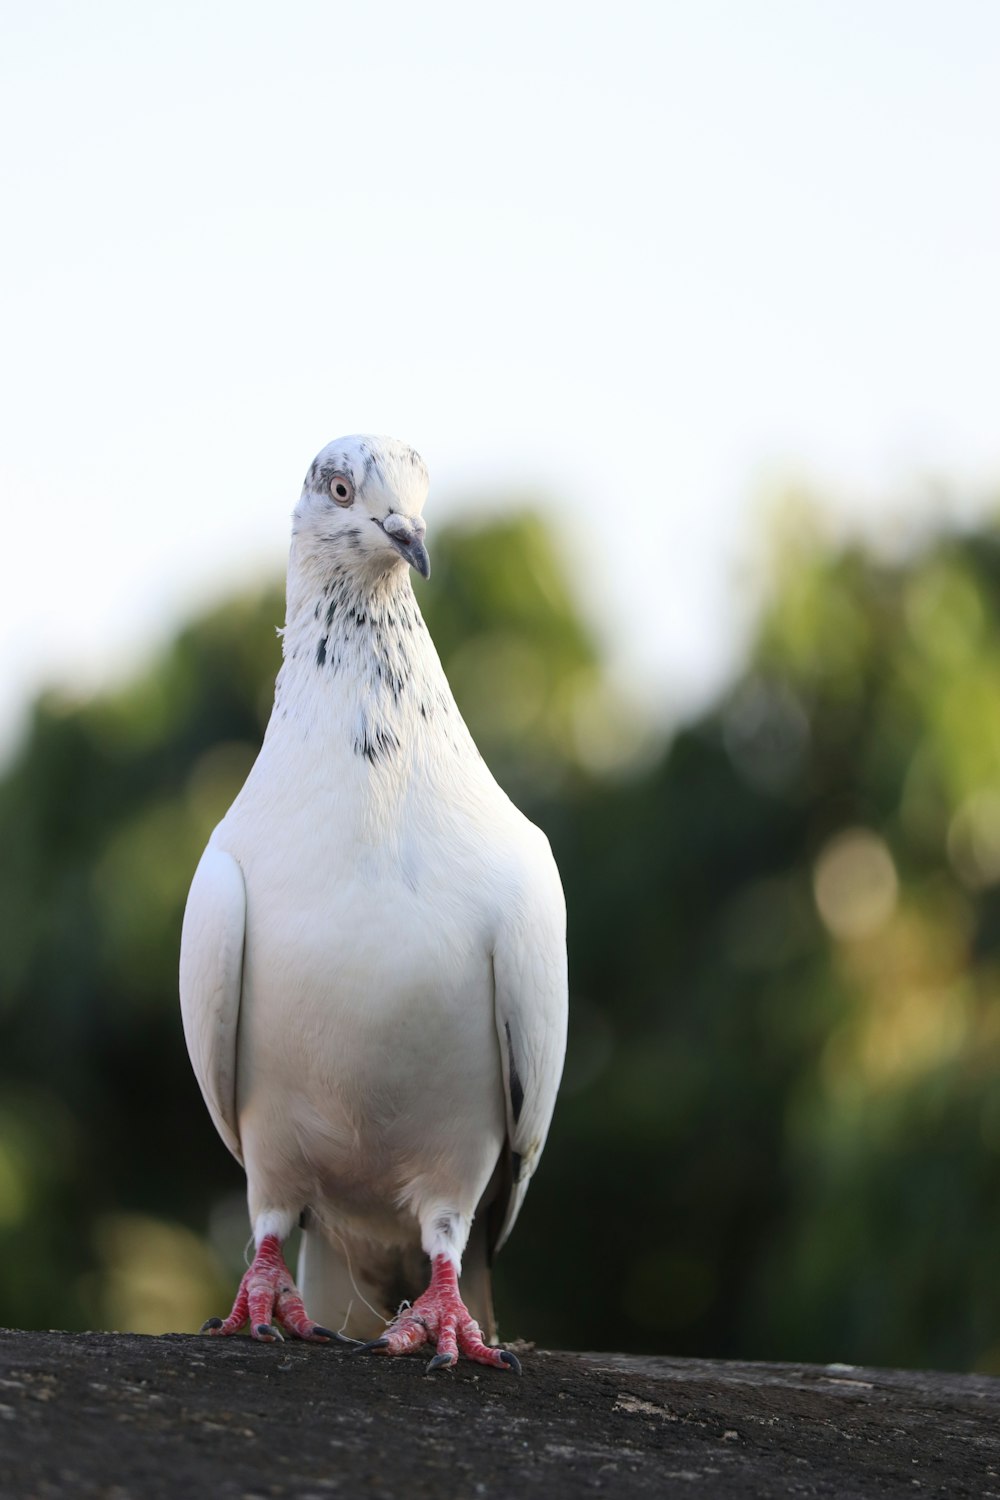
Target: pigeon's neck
(360, 668)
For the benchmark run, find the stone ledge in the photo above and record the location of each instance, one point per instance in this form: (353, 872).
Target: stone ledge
(128, 1417)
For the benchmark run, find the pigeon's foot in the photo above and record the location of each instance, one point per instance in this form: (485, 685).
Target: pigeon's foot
(268, 1296)
(440, 1317)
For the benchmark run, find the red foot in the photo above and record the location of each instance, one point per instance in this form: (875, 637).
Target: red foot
(440, 1317)
(266, 1292)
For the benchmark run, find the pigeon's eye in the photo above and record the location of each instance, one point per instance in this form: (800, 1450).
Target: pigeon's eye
(341, 489)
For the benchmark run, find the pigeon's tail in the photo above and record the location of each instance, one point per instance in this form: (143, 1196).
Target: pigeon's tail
(356, 1291)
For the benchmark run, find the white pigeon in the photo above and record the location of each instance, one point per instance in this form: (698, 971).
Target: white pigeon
(373, 959)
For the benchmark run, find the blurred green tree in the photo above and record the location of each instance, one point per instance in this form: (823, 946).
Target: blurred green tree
(779, 1134)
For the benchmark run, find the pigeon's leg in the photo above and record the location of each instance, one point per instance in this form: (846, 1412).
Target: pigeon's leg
(439, 1316)
(268, 1296)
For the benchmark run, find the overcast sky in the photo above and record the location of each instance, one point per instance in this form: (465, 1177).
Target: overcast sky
(641, 258)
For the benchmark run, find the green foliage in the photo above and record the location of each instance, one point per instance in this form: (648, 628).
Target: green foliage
(518, 657)
(779, 1134)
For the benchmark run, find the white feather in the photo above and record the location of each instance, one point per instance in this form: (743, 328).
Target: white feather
(211, 980)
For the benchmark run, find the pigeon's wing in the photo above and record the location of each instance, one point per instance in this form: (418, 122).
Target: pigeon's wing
(529, 971)
(211, 980)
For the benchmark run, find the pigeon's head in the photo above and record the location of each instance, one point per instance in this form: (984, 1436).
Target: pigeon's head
(360, 507)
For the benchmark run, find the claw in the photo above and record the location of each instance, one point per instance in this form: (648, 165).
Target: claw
(440, 1362)
(209, 1324)
(327, 1333)
(382, 1343)
(269, 1333)
(511, 1361)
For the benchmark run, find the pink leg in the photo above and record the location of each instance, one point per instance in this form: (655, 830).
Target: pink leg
(440, 1317)
(267, 1292)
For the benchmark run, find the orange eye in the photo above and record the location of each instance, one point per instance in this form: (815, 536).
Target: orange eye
(341, 489)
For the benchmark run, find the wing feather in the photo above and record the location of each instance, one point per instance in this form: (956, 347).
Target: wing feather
(211, 982)
(530, 990)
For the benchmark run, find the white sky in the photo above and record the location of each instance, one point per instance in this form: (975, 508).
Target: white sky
(638, 257)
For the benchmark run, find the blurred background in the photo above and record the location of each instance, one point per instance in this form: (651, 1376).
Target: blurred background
(691, 309)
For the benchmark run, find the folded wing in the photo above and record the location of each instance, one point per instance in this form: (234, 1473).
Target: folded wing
(211, 982)
(529, 969)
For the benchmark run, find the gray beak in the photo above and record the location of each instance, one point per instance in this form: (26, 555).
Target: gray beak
(415, 553)
(407, 536)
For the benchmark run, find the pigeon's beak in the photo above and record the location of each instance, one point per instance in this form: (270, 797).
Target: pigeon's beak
(416, 555)
(406, 534)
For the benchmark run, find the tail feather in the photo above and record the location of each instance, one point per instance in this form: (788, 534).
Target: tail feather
(353, 1291)
(359, 1298)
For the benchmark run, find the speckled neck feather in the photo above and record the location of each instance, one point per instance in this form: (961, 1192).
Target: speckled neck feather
(357, 655)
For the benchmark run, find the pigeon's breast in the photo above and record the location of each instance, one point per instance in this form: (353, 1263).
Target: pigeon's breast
(368, 986)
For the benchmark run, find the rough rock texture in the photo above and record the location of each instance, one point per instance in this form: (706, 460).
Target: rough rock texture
(122, 1416)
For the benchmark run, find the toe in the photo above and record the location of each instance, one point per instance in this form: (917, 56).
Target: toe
(407, 1334)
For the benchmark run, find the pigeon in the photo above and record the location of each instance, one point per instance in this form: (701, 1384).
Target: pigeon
(373, 957)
